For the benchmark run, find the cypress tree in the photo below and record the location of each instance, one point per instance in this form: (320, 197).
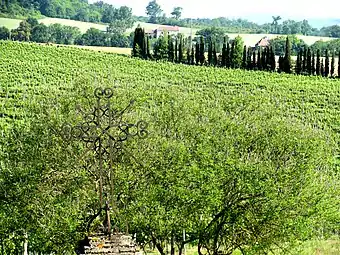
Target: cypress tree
(138, 49)
(228, 60)
(339, 64)
(244, 57)
(188, 56)
(176, 49)
(304, 61)
(197, 53)
(148, 51)
(327, 64)
(171, 53)
(249, 63)
(254, 60)
(215, 60)
(202, 51)
(272, 61)
(259, 63)
(210, 52)
(298, 63)
(263, 59)
(192, 57)
(224, 53)
(333, 65)
(180, 50)
(313, 63)
(309, 62)
(318, 63)
(281, 64)
(287, 63)
(232, 54)
(322, 69)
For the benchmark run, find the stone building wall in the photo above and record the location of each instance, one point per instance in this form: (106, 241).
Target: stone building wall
(117, 244)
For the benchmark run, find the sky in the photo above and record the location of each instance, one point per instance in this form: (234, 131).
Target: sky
(255, 10)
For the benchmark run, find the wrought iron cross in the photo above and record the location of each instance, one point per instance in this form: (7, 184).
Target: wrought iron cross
(103, 131)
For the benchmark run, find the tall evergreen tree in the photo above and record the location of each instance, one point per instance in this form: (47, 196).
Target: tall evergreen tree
(313, 63)
(210, 52)
(244, 57)
(322, 69)
(287, 63)
(202, 51)
(254, 60)
(215, 59)
(232, 54)
(224, 53)
(272, 59)
(339, 64)
(298, 63)
(171, 50)
(333, 65)
(180, 50)
(228, 58)
(197, 53)
(138, 48)
(249, 63)
(192, 57)
(327, 64)
(309, 62)
(318, 63)
(281, 64)
(188, 56)
(304, 61)
(259, 62)
(176, 49)
(263, 59)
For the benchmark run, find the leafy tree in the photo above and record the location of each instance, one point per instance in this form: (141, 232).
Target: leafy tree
(287, 63)
(214, 34)
(318, 63)
(154, 11)
(32, 21)
(236, 53)
(279, 44)
(275, 24)
(177, 13)
(331, 31)
(22, 33)
(4, 33)
(327, 64)
(40, 34)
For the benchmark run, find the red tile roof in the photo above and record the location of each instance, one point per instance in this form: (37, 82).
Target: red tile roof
(169, 28)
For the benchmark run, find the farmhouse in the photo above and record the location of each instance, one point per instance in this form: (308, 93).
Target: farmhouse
(156, 33)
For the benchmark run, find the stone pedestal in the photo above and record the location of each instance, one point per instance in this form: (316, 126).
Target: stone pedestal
(117, 244)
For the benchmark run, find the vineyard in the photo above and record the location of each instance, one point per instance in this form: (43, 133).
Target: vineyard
(213, 132)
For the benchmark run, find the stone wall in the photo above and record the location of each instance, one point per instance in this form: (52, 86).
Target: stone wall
(117, 244)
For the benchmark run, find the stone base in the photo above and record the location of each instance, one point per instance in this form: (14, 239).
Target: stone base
(117, 244)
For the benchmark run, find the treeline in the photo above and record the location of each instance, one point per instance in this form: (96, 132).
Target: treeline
(30, 30)
(68, 9)
(234, 54)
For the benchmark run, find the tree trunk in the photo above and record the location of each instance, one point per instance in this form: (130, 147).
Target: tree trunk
(172, 245)
(158, 246)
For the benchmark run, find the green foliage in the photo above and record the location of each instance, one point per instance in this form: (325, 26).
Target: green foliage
(4, 33)
(327, 69)
(234, 157)
(279, 44)
(287, 62)
(213, 34)
(177, 12)
(22, 33)
(237, 52)
(160, 49)
(154, 11)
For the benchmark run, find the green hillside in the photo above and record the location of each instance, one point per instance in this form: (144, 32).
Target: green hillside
(255, 152)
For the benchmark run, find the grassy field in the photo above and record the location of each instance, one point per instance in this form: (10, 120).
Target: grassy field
(249, 39)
